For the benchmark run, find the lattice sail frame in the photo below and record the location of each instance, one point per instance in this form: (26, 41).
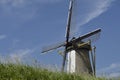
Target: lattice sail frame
(92, 36)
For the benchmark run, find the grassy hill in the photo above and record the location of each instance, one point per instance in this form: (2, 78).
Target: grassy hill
(23, 72)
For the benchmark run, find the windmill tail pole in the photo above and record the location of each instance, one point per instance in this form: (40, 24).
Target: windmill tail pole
(93, 58)
(93, 62)
(94, 48)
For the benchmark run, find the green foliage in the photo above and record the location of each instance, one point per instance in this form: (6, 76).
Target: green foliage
(25, 72)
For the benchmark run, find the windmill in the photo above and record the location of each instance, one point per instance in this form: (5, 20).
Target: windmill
(78, 48)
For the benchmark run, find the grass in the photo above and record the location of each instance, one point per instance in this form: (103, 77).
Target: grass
(25, 72)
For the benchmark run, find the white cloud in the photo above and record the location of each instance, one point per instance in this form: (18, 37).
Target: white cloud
(100, 6)
(88, 10)
(2, 37)
(18, 9)
(110, 68)
(111, 71)
(114, 75)
(19, 55)
(12, 2)
(22, 10)
(22, 3)
(49, 1)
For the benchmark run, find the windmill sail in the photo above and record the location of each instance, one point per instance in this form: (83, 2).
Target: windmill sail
(92, 36)
(52, 47)
(68, 31)
(73, 18)
(82, 13)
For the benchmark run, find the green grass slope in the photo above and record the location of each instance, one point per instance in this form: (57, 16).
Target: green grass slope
(22, 72)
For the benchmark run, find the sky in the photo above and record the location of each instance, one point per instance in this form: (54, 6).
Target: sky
(28, 25)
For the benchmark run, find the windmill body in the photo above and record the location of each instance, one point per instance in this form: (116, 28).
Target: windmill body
(79, 60)
(71, 62)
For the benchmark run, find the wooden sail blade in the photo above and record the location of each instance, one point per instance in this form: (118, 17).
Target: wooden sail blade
(67, 32)
(64, 59)
(94, 35)
(74, 16)
(52, 47)
(69, 21)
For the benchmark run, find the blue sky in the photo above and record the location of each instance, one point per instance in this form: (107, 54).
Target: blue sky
(28, 25)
